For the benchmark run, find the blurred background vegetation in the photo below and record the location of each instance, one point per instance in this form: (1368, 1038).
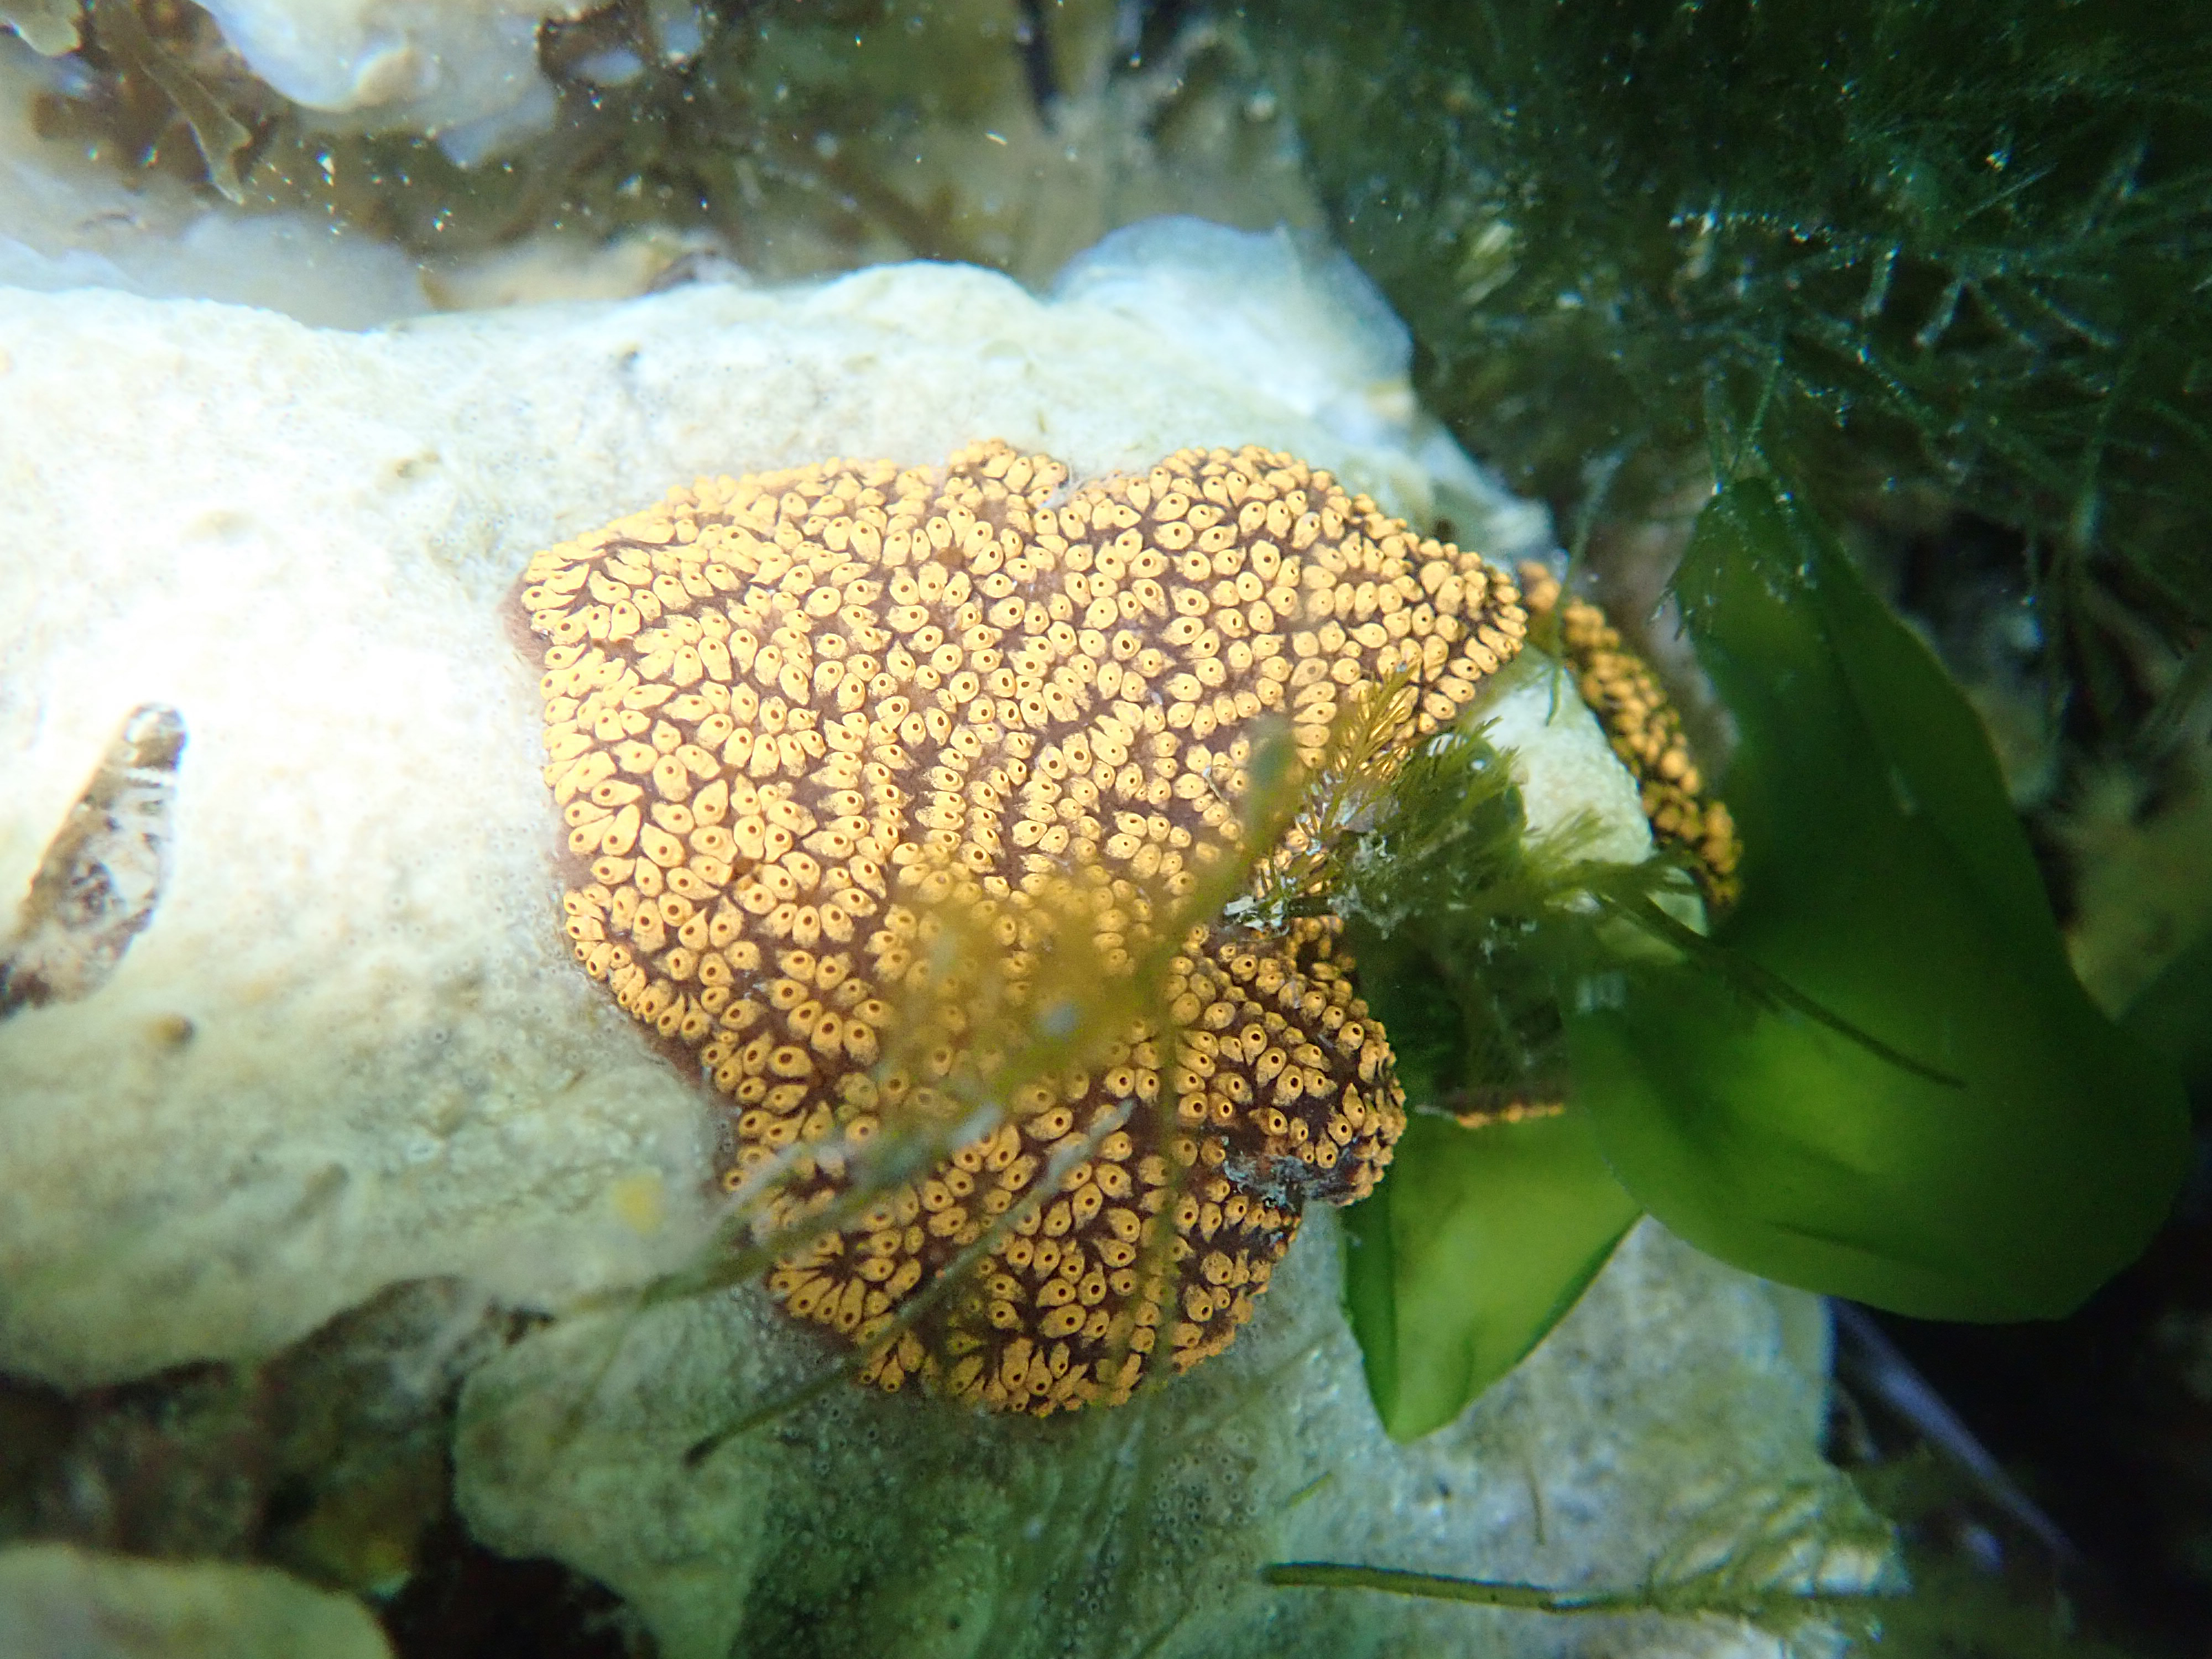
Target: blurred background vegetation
(1941, 270)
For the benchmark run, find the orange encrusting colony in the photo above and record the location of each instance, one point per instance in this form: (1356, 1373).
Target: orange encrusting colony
(795, 719)
(1646, 733)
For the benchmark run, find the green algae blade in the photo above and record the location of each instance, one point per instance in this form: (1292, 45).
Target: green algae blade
(2030, 1150)
(1441, 1587)
(1476, 1246)
(1774, 1555)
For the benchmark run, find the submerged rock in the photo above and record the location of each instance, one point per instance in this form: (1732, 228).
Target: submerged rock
(60, 1602)
(847, 1523)
(346, 1044)
(427, 65)
(68, 222)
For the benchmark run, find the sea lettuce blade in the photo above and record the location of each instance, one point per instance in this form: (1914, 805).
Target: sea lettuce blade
(2021, 1150)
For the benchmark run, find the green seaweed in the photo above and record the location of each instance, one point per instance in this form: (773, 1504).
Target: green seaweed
(1479, 1242)
(2172, 1016)
(1901, 252)
(1779, 1558)
(1867, 268)
(1814, 1564)
(1878, 1077)
(1896, 250)
(1885, 878)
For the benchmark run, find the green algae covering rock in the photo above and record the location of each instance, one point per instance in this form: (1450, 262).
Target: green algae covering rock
(847, 1521)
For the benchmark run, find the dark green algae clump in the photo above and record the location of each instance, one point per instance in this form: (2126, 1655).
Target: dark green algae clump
(1885, 248)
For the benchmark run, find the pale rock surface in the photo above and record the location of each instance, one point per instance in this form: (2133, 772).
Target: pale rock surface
(66, 222)
(1572, 783)
(58, 1602)
(465, 71)
(69, 223)
(427, 65)
(1679, 1398)
(352, 1047)
(1290, 315)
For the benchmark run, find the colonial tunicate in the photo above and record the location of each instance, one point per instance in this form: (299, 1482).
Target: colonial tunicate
(800, 723)
(1645, 730)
